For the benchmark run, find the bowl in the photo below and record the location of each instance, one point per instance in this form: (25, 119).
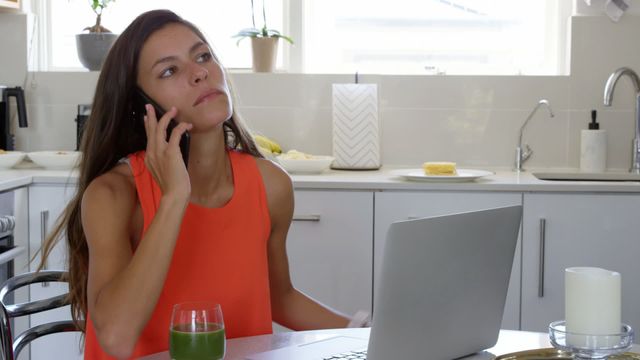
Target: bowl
(9, 159)
(313, 165)
(55, 160)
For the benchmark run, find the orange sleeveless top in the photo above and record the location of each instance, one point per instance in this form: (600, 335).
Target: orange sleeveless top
(220, 256)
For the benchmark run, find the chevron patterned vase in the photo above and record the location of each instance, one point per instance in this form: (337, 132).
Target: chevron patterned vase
(356, 130)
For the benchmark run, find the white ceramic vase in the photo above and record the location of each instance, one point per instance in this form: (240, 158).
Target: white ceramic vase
(265, 53)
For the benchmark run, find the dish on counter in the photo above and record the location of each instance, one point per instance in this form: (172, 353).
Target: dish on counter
(300, 163)
(55, 160)
(9, 159)
(463, 175)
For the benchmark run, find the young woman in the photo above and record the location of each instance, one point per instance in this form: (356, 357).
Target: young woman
(145, 231)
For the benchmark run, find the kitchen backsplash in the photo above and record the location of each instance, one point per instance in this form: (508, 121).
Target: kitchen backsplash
(473, 120)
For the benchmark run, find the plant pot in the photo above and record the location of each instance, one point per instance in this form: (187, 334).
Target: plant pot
(265, 53)
(93, 48)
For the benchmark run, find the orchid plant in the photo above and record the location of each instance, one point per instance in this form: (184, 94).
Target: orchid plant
(98, 6)
(263, 32)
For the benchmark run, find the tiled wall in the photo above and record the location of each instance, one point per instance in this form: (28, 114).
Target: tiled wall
(473, 120)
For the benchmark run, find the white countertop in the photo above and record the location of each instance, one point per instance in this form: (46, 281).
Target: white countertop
(376, 180)
(502, 180)
(509, 341)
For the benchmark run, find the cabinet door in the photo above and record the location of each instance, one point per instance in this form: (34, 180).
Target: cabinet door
(394, 206)
(46, 203)
(330, 248)
(577, 230)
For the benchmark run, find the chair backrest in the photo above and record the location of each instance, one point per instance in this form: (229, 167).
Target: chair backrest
(10, 347)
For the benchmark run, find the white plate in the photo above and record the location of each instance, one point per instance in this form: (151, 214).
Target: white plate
(55, 160)
(315, 165)
(464, 175)
(10, 158)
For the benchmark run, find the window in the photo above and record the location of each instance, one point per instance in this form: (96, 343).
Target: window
(455, 37)
(219, 20)
(434, 36)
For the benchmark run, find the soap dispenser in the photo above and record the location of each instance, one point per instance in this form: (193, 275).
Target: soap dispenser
(593, 147)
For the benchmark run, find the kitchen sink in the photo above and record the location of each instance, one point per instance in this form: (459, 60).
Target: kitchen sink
(584, 176)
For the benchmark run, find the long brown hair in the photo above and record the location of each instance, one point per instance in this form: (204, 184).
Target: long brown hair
(114, 130)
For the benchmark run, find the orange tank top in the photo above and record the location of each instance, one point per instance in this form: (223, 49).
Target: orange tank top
(220, 256)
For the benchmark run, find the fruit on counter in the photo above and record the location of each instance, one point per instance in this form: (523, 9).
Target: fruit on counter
(296, 155)
(439, 168)
(266, 145)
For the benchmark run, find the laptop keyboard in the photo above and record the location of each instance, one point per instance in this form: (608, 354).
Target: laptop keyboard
(349, 355)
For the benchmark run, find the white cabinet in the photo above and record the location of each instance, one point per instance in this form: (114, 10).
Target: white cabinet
(598, 230)
(402, 205)
(46, 203)
(330, 247)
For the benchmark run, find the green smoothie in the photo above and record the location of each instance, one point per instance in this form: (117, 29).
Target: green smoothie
(205, 343)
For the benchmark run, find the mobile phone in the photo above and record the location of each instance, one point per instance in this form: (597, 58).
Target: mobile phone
(185, 139)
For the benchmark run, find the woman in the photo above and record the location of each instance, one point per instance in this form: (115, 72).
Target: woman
(146, 232)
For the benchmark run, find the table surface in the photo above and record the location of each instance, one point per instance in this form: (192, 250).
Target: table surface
(509, 341)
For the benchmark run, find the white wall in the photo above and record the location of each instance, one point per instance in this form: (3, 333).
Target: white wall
(473, 120)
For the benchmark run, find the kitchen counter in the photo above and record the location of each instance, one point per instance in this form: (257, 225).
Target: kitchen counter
(239, 348)
(383, 179)
(501, 180)
(13, 179)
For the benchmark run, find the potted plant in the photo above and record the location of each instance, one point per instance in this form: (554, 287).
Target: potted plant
(264, 42)
(94, 45)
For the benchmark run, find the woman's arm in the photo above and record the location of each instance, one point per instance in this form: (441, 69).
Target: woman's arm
(290, 307)
(123, 287)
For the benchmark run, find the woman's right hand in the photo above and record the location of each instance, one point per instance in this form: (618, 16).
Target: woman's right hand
(163, 158)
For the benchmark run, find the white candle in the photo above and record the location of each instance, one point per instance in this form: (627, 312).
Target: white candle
(592, 302)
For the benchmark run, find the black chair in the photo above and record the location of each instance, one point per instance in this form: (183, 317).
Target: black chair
(11, 347)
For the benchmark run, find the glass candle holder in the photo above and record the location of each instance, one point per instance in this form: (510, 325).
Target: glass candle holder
(584, 346)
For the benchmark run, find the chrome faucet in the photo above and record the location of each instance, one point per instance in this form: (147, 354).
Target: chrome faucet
(522, 156)
(608, 98)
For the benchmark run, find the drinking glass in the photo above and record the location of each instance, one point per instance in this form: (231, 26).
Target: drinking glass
(197, 332)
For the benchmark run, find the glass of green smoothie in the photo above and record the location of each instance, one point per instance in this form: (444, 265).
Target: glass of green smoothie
(197, 332)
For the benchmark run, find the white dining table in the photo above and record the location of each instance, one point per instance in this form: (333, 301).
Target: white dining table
(509, 341)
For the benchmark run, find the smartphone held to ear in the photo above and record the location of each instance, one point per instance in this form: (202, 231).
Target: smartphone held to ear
(184, 139)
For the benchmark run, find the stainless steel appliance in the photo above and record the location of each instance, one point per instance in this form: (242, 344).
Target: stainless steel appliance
(6, 137)
(8, 250)
(84, 110)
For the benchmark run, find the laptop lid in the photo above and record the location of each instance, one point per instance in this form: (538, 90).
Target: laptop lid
(441, 294)
(444, 285)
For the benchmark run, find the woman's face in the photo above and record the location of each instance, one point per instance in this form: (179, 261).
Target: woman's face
(176, 68)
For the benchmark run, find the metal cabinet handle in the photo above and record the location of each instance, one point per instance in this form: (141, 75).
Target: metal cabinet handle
(543, 225)
(314, 218)
(44, 217)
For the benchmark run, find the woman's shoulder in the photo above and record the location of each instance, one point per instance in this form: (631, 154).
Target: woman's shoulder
(116, 184)
(272, 172)
(276, 180)
(109, 208)
(279, 191)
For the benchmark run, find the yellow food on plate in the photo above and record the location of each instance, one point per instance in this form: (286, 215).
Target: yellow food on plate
(439, 168)
(2, 151)
(296, 155)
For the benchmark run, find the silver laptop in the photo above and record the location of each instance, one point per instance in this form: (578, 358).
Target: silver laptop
(441, 294)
